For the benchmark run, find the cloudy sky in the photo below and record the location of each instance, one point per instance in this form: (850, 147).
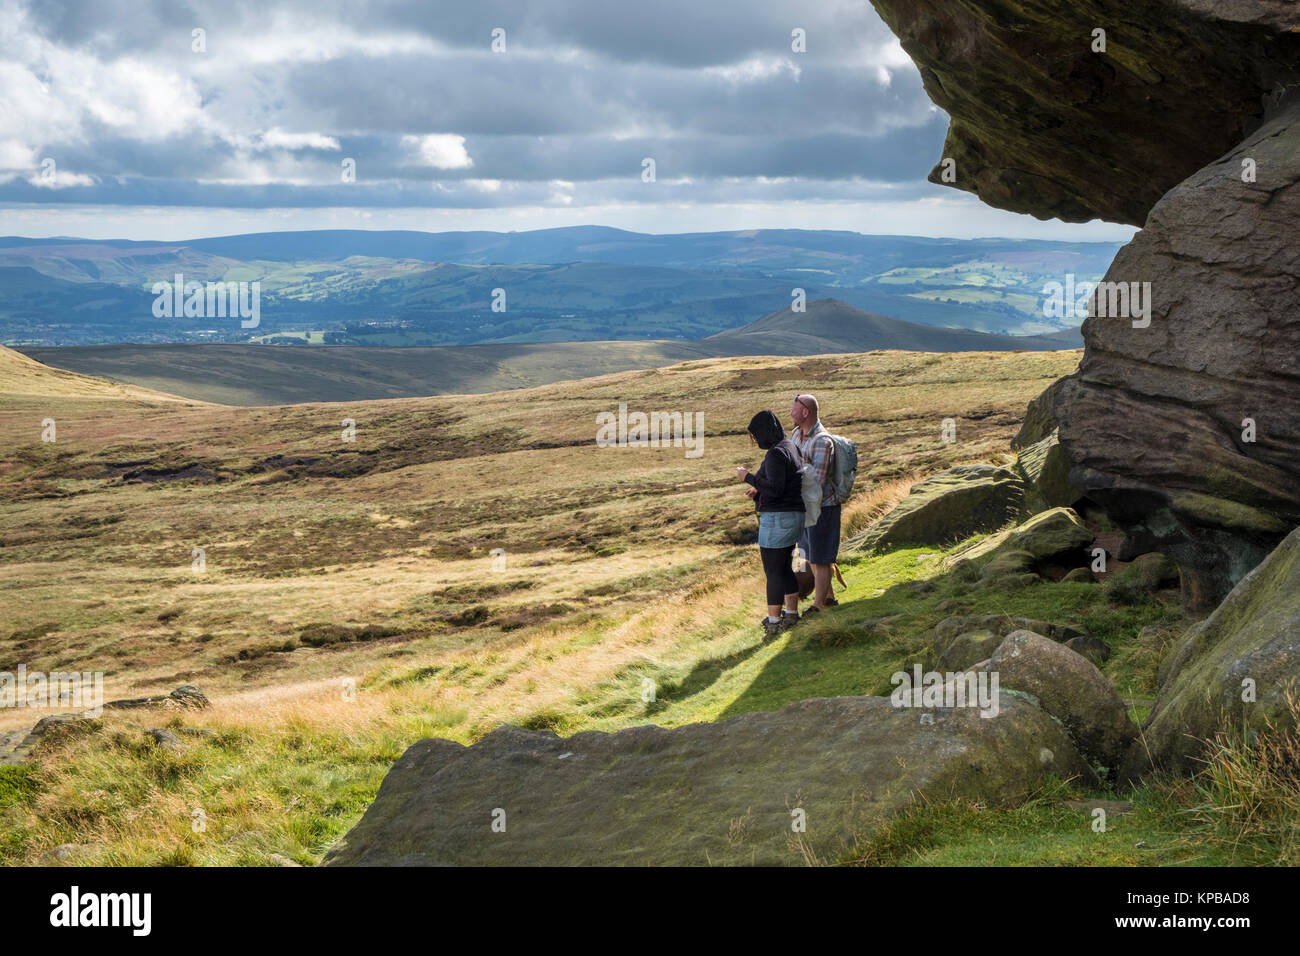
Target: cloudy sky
(147, 119)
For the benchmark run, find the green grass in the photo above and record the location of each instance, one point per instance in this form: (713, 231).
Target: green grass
(1043, 831)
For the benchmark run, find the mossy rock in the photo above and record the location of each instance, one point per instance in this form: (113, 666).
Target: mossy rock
(1071, 689)
(967, 650)
(1057, 534)
(1248, 648)
(1136, 582)
(964, 640)
(1093, 648)
(1006, 563)
(947, 507)
(1046, 468)
(705, 794)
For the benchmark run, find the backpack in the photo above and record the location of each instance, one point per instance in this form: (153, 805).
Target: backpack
(844, 466)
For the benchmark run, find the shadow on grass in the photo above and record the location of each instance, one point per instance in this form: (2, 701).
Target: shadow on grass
(701, 677)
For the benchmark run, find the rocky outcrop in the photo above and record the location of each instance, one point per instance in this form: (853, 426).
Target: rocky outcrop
(949, 506)
(1070, 688)
(1239, 668)
(1042, 124)
(787, 787)
(1187, 431)
(1184, 426)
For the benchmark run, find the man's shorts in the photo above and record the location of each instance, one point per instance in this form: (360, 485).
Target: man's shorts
(820, 544)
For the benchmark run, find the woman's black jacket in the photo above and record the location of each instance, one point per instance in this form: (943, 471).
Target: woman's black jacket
(779, 480)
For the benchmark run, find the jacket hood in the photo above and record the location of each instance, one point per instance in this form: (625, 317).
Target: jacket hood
(766, 429)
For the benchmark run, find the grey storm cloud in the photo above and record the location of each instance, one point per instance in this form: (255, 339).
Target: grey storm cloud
(284, 93)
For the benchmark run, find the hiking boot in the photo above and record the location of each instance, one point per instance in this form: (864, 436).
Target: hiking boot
(788, 620)
(772, 628)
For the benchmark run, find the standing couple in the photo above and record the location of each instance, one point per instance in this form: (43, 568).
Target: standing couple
(778, 492)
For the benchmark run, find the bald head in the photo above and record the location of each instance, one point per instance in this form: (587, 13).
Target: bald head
(804, 410)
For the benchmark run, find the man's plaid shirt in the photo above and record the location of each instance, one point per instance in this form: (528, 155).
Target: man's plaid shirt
(818, 451)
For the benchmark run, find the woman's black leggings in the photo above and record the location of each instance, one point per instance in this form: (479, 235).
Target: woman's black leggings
(780, 576)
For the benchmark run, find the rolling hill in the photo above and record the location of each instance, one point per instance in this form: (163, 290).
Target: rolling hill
(239, 374)
(575, 284)
(830, 325)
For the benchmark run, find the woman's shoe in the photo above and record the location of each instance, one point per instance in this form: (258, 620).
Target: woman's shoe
(788, 620)
(772, 628)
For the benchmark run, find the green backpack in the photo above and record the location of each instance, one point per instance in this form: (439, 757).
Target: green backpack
(844, 466)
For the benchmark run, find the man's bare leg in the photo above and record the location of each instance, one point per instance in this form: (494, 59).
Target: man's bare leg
(821, 585)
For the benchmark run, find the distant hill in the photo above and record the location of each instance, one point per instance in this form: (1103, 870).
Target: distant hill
(585, 283)
(238, 374)
(830, 325)
(22, 375)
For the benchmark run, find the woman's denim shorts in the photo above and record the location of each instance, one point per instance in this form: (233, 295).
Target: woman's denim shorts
(779, 529)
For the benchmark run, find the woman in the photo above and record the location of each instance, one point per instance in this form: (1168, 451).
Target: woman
(777, 494)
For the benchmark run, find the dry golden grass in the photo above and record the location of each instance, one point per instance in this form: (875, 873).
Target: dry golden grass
(616, 559)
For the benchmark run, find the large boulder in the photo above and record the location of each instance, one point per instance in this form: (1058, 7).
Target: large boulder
(1046, 469)
(1187, 431)
(1055, 535)
(1042, 124)
(1236, 668)
(1187, 124)
(721, 793)
(1070, 688)
(947, 507)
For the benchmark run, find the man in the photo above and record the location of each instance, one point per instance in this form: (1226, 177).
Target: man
(820, 544)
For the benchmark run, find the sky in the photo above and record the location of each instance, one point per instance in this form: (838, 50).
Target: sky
(158, 119)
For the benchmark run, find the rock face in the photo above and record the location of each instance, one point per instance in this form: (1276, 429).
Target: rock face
(723, 793)
(947, 507)
(1071, 689)
(1044, 125)
(1185, 429)
(1188, 431)
(1250, 646)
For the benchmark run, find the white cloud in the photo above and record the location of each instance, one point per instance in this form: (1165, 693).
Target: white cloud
(440, 150)
(755, 70)
(61, 180)
(276, 138)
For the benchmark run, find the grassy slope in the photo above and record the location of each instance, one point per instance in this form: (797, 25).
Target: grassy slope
(330, 562)
(236, 374)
